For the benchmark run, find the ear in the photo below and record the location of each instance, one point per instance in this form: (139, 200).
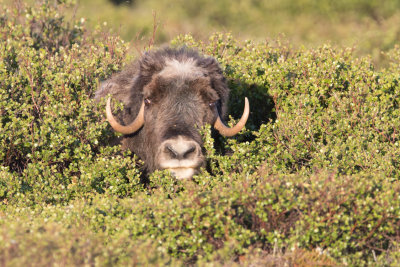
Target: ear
(118, 91)
(105, 88)
(122, 87)
(218, 81)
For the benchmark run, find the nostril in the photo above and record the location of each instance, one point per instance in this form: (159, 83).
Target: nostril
(171, 152)
(190, 152)
(180, 150)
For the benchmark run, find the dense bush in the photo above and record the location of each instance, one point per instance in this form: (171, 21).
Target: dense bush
(333, 111)
(51, 138)
(314, 180)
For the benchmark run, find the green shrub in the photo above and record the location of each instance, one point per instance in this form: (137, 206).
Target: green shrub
(344, 217)
(314, 179)
(51, 136)
(325, 109)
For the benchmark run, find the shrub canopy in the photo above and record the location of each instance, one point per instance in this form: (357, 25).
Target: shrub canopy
(313, 180)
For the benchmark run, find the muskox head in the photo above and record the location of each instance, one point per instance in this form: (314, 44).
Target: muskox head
(168, 95)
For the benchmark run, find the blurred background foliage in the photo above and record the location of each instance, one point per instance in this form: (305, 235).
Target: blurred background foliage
(371, 26)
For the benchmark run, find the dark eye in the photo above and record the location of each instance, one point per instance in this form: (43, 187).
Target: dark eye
(212, 104)
(147, 101)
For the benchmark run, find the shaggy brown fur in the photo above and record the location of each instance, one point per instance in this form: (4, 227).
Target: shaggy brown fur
(177, 104)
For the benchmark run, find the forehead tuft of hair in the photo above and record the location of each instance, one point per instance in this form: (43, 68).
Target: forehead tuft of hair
(184, 69)
(184, 62)
(181, 60)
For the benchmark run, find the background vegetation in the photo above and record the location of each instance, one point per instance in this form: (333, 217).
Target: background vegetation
(370, 26)
(314, 180)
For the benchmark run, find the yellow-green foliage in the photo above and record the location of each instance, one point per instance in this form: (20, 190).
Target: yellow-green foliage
(371, 25)
(314, 180)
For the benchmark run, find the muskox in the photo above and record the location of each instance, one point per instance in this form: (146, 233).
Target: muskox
(168, 95)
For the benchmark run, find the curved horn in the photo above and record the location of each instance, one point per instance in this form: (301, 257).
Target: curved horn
(128, 129)
(226, 131)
